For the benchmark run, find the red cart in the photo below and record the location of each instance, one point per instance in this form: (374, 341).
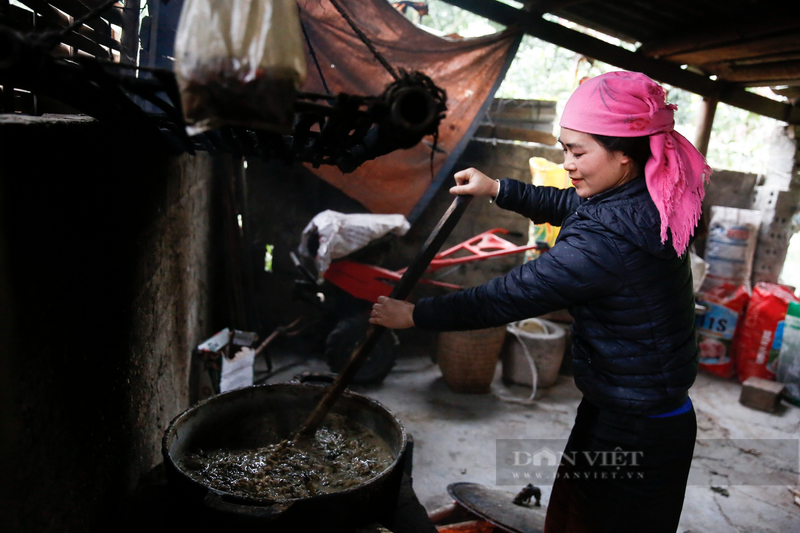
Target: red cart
(365, 283)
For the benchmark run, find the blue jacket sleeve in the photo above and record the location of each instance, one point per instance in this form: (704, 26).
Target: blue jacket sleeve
(540, 204)
(582, 266)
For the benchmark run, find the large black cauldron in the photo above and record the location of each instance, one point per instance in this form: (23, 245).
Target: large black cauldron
(256, 416)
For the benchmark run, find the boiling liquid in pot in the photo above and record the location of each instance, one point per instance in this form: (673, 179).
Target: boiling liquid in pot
(341, 454)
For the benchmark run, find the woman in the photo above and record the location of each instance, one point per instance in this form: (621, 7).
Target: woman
(620, 266)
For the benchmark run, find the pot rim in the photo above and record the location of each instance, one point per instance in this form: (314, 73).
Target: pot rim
(229, 496)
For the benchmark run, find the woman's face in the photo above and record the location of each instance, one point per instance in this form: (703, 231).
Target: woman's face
(591, 167)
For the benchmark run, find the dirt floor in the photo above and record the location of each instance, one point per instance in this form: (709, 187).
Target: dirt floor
(740, 480)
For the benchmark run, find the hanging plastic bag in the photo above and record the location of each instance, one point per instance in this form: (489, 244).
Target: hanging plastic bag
(239, 63)
(699, 270)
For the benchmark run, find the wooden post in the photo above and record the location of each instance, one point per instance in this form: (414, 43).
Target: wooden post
(130, 33)
(706, 121)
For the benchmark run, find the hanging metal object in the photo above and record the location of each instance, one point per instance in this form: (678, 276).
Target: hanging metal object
(343, 130)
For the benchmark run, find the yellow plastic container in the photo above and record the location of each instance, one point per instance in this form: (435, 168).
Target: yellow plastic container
(545, 173)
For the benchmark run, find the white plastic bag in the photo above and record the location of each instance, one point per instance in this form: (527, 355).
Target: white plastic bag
(336, 235)
(239, 63)
(699, 270)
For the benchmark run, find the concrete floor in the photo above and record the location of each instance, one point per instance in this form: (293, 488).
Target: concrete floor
(455, 435)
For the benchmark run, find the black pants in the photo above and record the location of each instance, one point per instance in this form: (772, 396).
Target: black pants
(622, 473)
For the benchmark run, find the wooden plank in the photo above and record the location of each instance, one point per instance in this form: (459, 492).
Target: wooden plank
(549, 6)
(52, 19)
(771, 72)
(776, 58)
(87, 38)
(78, 8)
(687, 10)
(704, 36)
(88, 46)
(511, 133)
(578, 18)
(130, 33)
(663, 71)
(629, 25)
(741, 49)
(55, 21)
(61, 50)
(71, 8)
(514, 109)
(18, 18)
(99, 38)
(46, 11)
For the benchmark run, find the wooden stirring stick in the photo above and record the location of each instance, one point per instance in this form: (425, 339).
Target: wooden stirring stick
(401, 291)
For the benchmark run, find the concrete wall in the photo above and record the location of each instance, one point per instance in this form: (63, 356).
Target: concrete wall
(778, 198)
(106, 279)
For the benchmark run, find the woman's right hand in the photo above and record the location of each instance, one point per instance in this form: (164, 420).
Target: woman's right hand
(474, 182)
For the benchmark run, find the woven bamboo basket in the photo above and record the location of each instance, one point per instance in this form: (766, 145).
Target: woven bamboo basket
(468, 359)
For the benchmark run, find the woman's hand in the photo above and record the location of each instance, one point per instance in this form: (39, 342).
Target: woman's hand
(390, 313)
(476, 183)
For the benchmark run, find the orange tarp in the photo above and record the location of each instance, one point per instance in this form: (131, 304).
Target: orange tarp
(470, 70)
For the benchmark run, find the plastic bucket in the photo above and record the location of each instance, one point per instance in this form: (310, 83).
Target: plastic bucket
(540, 339)
(548, 174)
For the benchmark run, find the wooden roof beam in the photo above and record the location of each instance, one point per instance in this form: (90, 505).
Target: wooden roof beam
(776, 44)
(549, 6)
(771, 73)
(732, 32)
(664, 71)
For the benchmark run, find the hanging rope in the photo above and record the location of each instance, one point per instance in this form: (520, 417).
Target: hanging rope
(530, 400)
(314, 57)
(365, 40)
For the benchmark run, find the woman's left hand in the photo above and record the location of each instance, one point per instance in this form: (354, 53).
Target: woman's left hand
(390, 313)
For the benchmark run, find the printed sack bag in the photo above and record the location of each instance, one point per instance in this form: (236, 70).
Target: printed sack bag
(758, 343)
(716, 327)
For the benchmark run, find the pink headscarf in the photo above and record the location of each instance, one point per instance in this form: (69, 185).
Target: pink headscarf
(629, 104)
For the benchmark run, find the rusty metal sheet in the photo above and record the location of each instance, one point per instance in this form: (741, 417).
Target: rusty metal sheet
(469, 70)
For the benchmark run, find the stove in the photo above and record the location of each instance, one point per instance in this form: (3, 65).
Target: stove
(157, 507)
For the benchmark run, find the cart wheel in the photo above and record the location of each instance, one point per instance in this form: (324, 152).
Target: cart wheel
(346, 336)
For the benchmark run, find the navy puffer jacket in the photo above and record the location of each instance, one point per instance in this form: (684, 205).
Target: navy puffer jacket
(631, 297)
